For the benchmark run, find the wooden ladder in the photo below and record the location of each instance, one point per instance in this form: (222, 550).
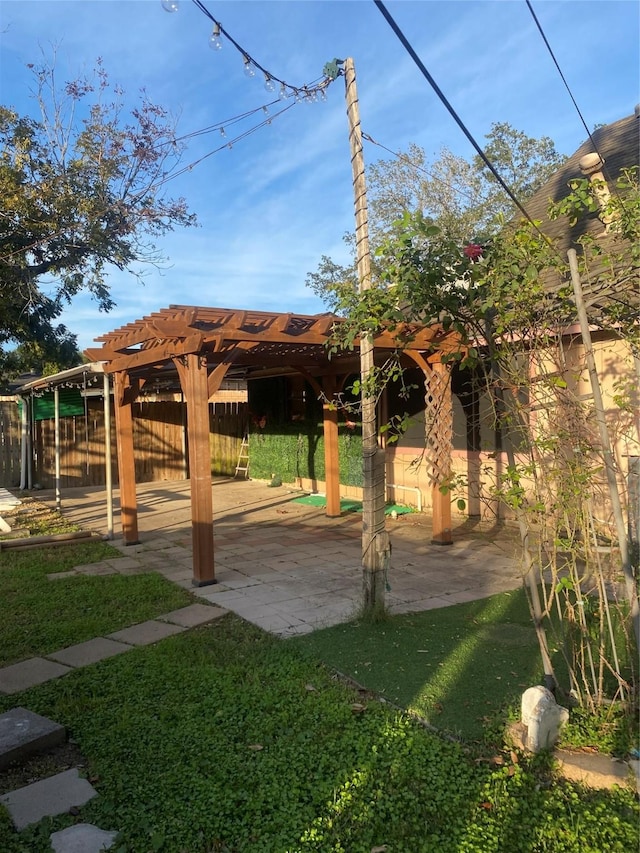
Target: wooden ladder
(243, 457)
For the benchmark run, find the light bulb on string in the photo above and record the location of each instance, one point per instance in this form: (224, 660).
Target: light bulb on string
(215, 42)
(249, 70)
(170, 5)
(269, 85)
(265, 110)
(222, 133)
(298, 96)
(283, 94)
(322, 95)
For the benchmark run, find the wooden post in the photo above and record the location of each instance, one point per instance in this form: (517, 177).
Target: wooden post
(193, 377)
(441, 502)
(126, 459)
(106, 390)
(375, 539)
(331, 454)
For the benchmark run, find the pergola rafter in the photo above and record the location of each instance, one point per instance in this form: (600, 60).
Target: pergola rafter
(199, 345)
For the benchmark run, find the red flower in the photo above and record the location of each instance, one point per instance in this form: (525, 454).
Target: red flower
(473, 251)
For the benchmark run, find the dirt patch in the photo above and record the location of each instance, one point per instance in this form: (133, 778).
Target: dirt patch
(34, 518)
(56, 760)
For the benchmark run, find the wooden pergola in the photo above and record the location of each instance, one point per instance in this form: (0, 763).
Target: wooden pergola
(199, 346)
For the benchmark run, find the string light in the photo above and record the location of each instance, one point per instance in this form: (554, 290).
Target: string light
(215, 42)
(311, 92)
(249, 69)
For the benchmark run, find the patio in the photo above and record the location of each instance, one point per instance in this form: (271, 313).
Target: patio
(288, 568)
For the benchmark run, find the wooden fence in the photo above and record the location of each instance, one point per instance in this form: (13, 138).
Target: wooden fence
(159, 443)
(9, 443)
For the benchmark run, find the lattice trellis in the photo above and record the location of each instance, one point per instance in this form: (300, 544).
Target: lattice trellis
(438, 424)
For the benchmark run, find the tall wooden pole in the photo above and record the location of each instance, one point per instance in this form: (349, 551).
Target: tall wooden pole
(375, 540)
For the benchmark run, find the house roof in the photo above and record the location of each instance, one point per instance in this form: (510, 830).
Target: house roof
(618, 145)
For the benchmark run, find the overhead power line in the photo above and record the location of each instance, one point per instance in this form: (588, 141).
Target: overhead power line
(408, 47)
(567, 87)
(564, 80)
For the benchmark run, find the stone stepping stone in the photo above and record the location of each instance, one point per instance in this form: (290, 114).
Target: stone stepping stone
(89, 652)
(23, 733)
(28, 673)
(47, 798)
(593, 769)
(146, 633)
(193, 615)
(82, 838)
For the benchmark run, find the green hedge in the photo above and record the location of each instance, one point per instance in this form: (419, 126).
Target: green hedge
(296, 450)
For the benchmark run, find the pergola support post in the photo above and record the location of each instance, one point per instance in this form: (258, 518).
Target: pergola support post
(439, 384)
(331, 452)
(123, 393)
(192, 369)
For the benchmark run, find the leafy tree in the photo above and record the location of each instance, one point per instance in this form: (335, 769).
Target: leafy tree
(459, 196)
(83, 189)
(511, 302)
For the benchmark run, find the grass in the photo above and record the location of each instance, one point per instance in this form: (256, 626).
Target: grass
(39, 616)
(225, 738)
(457, 666)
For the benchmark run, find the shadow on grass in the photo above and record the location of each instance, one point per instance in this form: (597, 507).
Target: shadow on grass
(457, 667)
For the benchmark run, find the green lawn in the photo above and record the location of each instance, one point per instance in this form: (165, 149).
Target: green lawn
(38, 616)
(227, 739)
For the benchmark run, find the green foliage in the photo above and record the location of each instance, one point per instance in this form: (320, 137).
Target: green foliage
(40, 615)
(460, 197)
(509, 304)
(81, 189)
(226, 739)
(296, 450)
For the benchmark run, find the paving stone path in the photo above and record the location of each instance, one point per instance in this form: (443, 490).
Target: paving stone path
(23, 733)
(29, 673)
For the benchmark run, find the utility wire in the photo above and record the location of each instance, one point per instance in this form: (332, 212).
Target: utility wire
(555, 61)
(400, 156)
(584, 124)
(407, 46)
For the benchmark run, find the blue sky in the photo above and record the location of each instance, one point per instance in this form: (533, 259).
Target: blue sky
(270, 207)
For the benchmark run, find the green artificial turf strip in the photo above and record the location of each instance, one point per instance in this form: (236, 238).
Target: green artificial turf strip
(39, 616)
(455, 666)
(349, 504)
(226, 739)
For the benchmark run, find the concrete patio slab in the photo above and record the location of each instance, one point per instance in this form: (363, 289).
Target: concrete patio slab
(146, 633)
(193, 615)
(278, 560)
(89, 652)
(47, 798)
(82, 838)
(23, 733)
(29, 673)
